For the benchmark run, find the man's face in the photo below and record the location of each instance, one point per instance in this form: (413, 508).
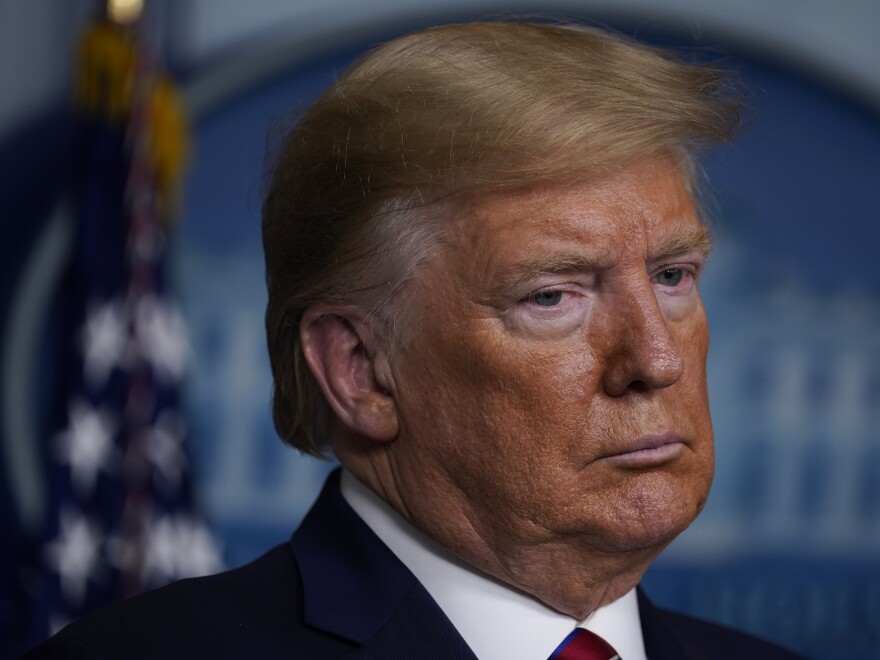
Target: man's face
(553, 386)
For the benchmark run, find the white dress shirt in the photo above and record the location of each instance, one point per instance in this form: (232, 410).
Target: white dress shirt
(497, 621)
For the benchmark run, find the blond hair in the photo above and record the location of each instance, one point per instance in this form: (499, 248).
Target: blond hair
(436, 113)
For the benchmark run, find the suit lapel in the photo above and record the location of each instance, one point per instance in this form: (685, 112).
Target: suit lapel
(354, 587)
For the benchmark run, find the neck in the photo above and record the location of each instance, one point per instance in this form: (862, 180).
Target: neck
(565, 572)
(494, 619)
(568, 574)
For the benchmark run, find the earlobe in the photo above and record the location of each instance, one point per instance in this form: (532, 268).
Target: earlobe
(351, 369)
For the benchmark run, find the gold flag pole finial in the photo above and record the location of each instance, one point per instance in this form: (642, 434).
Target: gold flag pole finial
(124, 12)
(118, 83)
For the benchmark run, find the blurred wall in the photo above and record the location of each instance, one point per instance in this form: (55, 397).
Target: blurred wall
(37, 37)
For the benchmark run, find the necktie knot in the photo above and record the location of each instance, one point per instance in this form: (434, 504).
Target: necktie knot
(583, 645)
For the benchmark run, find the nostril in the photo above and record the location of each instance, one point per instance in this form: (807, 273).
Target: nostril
(639, 386)
(643, 362)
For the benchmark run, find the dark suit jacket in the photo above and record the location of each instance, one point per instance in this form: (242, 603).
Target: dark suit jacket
(335, 591)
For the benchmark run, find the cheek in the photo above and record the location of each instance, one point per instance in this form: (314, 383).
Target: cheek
(492, 406)
(535, 393)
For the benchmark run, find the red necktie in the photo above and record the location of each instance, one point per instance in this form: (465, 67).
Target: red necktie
(583, 645)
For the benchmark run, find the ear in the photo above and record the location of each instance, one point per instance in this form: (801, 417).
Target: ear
(351, 367)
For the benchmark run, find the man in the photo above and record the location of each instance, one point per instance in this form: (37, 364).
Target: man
(483, 247)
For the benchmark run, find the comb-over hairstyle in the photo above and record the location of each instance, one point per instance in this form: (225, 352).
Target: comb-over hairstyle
(449, 110)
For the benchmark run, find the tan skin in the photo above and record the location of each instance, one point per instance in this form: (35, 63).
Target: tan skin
(547, 419)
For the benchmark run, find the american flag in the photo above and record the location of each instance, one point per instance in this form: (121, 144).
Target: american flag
(122, 518)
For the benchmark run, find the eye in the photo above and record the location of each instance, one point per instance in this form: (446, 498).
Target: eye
(670, 277)
(547, 298)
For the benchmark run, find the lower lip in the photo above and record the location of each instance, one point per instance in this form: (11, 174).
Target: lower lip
(648, 457)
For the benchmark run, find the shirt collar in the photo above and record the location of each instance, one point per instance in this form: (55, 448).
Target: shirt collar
(497, 621)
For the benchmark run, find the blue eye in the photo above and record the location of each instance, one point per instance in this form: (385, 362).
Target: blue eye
(547, 298)
(670, 277)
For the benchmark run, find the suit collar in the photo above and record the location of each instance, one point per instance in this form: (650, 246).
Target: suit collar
(352, 583)
(356, 588)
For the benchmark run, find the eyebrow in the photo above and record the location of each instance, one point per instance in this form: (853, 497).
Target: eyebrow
(679, 241)
(524, 272)
(683, 240)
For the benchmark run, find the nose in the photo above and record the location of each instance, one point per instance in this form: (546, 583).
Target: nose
(643, 353)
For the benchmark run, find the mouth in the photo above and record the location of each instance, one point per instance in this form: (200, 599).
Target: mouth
(648, 452)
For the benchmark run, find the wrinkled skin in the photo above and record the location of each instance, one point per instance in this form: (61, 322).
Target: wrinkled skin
(558, 333)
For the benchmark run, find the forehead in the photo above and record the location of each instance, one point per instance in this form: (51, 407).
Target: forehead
(644, 207)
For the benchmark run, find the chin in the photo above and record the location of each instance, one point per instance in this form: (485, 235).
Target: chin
(651, 512)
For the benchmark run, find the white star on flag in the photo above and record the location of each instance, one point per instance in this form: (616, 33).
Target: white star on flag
(105, 337)
(179, 547)
(75, 553)
(161, 333)
(86, 445)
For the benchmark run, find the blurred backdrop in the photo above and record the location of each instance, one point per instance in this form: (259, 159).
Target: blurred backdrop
(789, 544)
